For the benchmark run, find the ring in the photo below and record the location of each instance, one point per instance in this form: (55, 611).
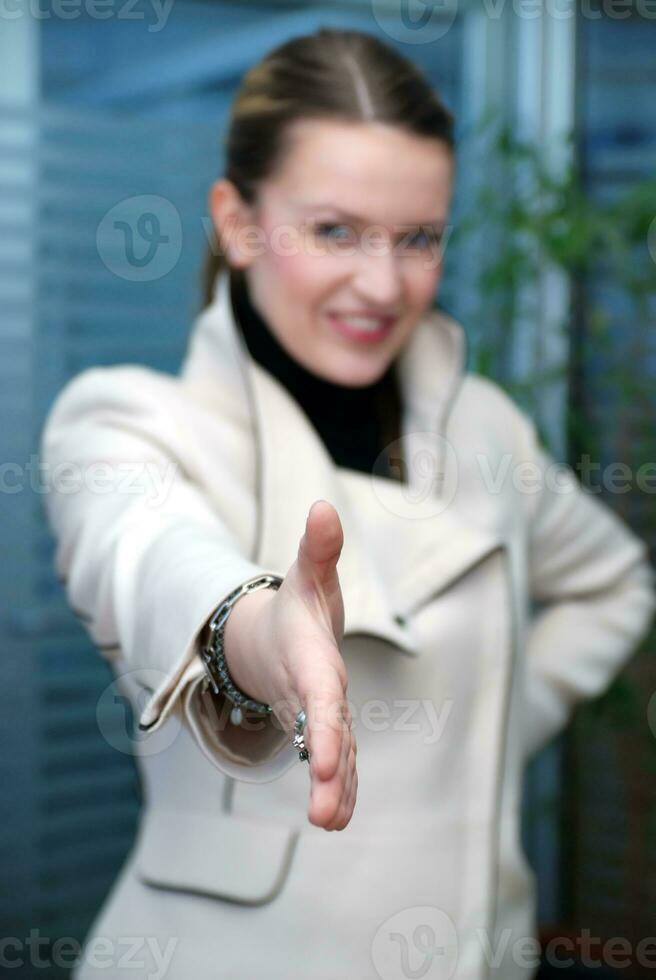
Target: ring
(298, 740)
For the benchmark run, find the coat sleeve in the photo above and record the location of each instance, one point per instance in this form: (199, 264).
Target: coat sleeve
(145, 558)
(594, 586)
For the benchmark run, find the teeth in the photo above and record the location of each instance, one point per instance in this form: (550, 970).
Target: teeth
(363, 323)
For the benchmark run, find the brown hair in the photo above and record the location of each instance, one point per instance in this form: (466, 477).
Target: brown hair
(346, 75)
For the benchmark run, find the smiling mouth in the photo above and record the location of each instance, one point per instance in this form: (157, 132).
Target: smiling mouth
(368, 329)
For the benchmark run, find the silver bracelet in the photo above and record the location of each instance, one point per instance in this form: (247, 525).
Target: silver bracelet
(213, 656)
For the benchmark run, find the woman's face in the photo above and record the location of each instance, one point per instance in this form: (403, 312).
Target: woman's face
(342, 250)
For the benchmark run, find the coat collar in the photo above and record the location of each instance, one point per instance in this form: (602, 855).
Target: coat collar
(399, 550)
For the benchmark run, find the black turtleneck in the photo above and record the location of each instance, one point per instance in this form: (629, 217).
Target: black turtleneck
(355, 424)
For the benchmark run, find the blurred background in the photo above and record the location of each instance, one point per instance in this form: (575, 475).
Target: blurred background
(115, 111)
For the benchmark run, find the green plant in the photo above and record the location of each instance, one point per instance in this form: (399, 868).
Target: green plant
(530, 221)
(534, 215)
(531, 215)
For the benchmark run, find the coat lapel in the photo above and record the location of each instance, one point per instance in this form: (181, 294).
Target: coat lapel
(295, 471)
(401, 546)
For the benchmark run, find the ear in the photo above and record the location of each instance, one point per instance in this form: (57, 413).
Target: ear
(232, 218)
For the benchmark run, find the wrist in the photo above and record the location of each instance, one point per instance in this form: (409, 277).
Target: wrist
(241, 646)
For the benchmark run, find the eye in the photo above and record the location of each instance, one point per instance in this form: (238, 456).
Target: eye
(422, 238)
(335, 231)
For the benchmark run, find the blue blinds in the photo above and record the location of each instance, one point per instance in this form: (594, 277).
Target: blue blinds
(129, 124)
(612, 804)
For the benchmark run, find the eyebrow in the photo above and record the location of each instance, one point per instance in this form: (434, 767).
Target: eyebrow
(437, 223)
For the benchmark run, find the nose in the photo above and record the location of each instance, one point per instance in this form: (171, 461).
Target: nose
(378, 281)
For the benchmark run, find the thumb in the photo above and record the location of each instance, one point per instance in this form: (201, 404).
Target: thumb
(321, 546)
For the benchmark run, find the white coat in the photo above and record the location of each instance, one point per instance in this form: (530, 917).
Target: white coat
(454, 677)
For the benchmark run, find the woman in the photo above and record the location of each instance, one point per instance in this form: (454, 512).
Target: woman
(323, 431)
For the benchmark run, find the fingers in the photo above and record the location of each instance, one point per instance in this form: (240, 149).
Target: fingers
(328, 721)
(346, 803)
(332, 763)
(331, 804)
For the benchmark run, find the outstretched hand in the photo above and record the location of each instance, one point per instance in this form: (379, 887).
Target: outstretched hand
(295, 661)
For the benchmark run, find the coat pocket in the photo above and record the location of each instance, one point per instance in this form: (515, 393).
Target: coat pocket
(220, 855)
